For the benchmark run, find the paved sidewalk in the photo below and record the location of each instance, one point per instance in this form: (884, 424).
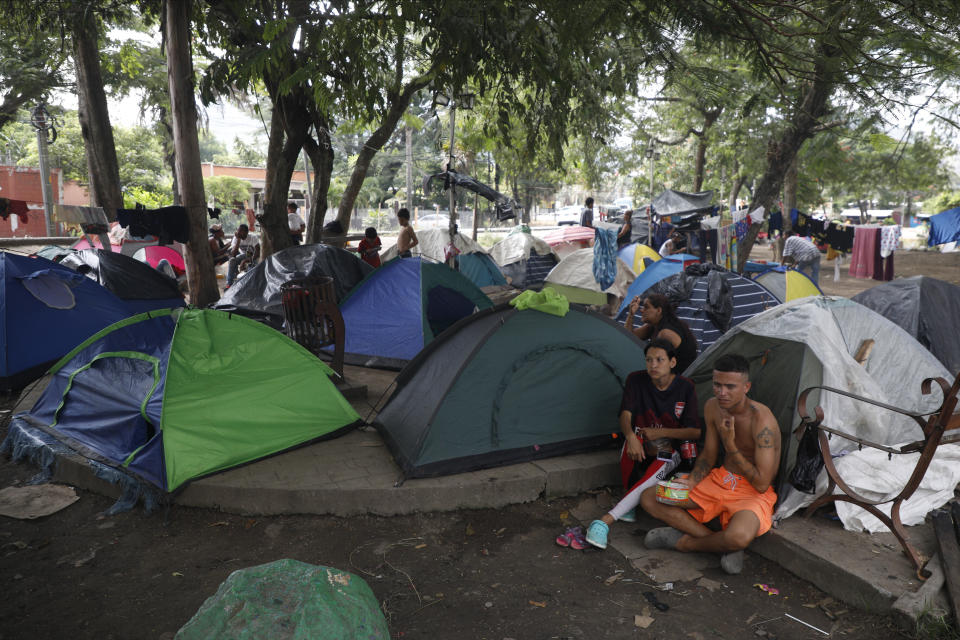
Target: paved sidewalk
(355, 474)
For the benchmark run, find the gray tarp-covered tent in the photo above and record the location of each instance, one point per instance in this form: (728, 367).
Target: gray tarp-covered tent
(257, 293)
(679, 208)
(506, 208)
(926, 308)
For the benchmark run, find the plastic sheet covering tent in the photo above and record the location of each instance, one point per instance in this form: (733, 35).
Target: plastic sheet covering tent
(138, 284)
(573, 278)
(680, 207)
(46, 310)
(711, 300)
(505, 208)
(787, 284)
(506, 386)
(811, 341)
(944, 227)
(400, 307)
(524, 258)
(257, 293)
(53, 252)
(169, 396)
(288, 599)
(926, 308)
(634, 256)
(473, 260)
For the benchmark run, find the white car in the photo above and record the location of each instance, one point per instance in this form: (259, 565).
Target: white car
(568, 215)
(432, 221)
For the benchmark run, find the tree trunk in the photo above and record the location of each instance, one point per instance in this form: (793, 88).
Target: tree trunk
(94, 117)
(282, 153)
(200, 270)
(321, 157)
(781, 152)
(709, 117)
(169, 152)
(399, 103)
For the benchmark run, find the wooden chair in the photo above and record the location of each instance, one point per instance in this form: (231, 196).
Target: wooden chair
(933, 425)
(312, 318)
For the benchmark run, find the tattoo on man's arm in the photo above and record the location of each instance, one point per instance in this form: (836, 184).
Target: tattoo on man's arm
(700, 470)
(765, 438)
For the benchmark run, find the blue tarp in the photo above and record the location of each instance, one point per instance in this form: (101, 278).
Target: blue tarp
(401, 306)
(37, 331)
(945, 227)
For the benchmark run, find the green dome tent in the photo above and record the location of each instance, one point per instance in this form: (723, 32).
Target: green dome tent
(169, 396)
(505, 386)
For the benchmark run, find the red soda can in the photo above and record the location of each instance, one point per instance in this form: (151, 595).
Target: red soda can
(688, 450)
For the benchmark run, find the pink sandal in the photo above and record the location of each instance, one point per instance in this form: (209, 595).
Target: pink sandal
(573, 537)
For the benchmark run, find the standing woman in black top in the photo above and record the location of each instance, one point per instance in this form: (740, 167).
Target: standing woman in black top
(660, 321)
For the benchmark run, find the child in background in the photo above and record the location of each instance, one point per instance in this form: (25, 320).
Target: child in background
(369, 247)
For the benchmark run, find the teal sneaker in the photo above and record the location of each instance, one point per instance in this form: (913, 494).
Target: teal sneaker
(629, 516)
(597, 534)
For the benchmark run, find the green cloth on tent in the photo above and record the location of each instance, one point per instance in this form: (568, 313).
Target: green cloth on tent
(288, 599)
(547, 301)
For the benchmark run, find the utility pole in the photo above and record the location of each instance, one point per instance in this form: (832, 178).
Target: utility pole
(409, 149)
(453, 194)
(43, 123)
(308, 194)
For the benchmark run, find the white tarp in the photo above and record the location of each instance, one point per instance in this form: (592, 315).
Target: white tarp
(833, 329)
(576, 270)
(432, 243)
(517, 246)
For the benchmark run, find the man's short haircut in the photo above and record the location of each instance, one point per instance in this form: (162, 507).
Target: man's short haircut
(732, 362)
(292, 205)
(370, 233)
(403, 213)
(589, 202)
(661, 343)
(243, 227)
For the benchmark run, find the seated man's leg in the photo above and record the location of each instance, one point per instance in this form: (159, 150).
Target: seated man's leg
(738, 534)
(677, 517)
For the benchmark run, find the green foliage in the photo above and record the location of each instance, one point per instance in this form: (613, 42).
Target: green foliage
(149, 199)
(211, 147)
(226, 191)
(941, 202)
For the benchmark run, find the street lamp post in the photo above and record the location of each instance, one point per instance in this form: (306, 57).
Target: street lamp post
(44, 124)
(651, 154)
(464, 100)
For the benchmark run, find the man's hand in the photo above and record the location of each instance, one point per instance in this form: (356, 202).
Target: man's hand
(726, 430)
(635, 448)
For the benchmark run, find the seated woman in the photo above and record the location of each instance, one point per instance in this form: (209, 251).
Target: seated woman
(658, 411)
(660, 321)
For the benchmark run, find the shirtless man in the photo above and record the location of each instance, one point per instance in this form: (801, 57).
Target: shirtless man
(739, 491)
(407, 238)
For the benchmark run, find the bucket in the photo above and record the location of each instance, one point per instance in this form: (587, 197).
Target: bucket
(672, 492)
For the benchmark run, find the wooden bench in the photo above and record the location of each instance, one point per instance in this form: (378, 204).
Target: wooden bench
(933, 424)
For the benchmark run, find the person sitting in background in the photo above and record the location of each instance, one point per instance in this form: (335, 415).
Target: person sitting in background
(218, 249)
(676, 243)
(244, 250)
(660, 321)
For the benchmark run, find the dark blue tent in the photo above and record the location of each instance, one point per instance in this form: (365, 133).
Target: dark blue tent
(138, 284)
(480, 269)
(400, 307)
(46, 310)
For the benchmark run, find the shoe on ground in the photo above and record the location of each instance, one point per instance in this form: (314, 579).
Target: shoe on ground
(629, 516)
(567, 536)
(662, 538)
(597, 534)
(732, 562)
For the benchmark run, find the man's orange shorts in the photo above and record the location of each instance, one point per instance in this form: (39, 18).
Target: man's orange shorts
(723, 494)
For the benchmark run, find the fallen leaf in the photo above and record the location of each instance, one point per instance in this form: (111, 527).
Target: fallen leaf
(421, 546)
(708, 584)
(642, 621)
(613, 578)
(542, 605)
(177, 574)
(249, 524)
(500, 531)
(564, 515)
(221, 523)
(470, 530)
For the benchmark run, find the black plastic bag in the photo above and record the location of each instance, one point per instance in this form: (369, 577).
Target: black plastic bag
(809, 462)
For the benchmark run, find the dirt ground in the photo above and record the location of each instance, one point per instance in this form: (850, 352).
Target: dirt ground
(493, 574)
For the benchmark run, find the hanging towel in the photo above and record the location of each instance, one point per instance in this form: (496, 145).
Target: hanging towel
(866, 250)
(605, 257)
(889, 239)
